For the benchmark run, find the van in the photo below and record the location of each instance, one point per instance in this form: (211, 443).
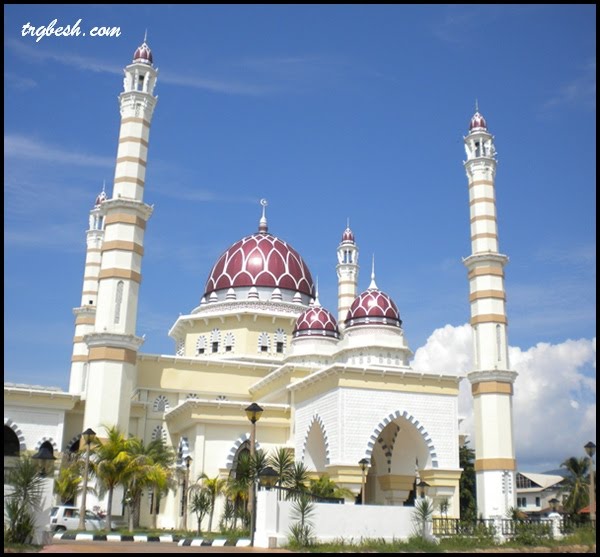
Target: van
(64, 518)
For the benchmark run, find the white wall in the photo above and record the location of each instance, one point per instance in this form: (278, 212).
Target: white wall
(331, 521)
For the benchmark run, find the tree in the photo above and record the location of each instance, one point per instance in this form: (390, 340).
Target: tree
(299, 477)
(214, 487)
(576, 483)
(24, 499)
(70, 482)
(467, 484)
(325, 487)
(282, 461)
(110, 464)
(201, 504)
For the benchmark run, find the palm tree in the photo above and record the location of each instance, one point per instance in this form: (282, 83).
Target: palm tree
(576, 483)
(161, 477)
(299, 477)
(201, 504)
(110, 464)
(325, 487)
(282, 461)
(214, 487)
(22, 501)
(69, 482)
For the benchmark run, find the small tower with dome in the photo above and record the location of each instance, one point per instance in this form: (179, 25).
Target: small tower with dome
(347, 273)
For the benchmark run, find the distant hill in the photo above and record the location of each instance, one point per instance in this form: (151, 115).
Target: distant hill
(558, 472)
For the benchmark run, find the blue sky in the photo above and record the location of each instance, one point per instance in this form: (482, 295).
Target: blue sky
(329, 112)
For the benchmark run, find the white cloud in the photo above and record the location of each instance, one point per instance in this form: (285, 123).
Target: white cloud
(20, 146)
(554, 406)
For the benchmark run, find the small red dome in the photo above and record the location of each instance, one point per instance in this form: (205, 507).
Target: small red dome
(373, 307)
(143, 54)
(316, 321)
(348, 235)
(477, 122)
(260, 260)
(100, 198)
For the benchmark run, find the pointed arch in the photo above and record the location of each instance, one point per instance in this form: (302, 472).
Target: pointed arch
(73, 442)
(17, 430)
(236, 447)
(161, 404)
(414, 422)
(318, 421)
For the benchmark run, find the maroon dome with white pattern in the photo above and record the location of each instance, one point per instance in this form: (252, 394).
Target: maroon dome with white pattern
(143, 54)
(373, 307)
(260, 260)
(477, 122)
(316, 321)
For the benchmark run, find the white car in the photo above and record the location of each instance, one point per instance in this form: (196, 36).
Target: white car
(64, 518)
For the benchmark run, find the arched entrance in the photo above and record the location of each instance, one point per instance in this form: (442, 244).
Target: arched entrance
(401, 448)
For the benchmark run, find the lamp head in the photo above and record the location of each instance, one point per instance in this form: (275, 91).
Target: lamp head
(44, 459)
(590, 449)
(364, 463)
(89, 435)
(268, 477)
(254, 412)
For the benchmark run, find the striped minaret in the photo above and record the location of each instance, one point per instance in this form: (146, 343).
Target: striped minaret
(85, 314)
(347, 272)
(491, 378)
(113, 345)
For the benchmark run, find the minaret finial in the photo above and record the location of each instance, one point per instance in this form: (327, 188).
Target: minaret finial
(373, 286)
(317, 303)
(262, 225)
(145, 35)
(348, 222)
(476, 105)
(104, 186)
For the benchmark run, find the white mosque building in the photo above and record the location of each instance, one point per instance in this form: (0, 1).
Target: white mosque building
(335, 389)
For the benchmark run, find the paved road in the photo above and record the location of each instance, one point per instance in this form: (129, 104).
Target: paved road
(68, 546)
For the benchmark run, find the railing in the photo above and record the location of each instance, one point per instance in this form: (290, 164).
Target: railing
(457, 527)
(288, 494)
(508, 528)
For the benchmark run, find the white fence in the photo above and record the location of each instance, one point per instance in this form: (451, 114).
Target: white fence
(331, 521)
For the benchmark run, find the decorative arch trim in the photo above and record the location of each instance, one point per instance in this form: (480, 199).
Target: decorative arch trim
(410, 419)
(49, 440)
(235, 448)
(9, 423)
(319, 421)
(72, 441)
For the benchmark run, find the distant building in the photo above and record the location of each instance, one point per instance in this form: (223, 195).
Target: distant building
(534, 492)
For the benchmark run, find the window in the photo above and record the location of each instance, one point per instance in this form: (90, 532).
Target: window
(263, 342)
(229, 342)
(521, 501)
(201, 345)
(280, 340)
(280, 348)
(538, 502)
(161, 403)
(118, 301)
(215, 337)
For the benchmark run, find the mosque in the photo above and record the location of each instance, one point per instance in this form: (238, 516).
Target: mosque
(334, 388)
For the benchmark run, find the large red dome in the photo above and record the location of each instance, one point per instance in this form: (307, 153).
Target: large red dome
(373, 307)
(260, 260)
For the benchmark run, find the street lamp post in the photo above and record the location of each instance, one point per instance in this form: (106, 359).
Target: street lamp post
(364, 464)
(89, 435)
(43, 459)
(553, 504)
(422, 485)
(253, 412)
(186, 482)
(590, 449)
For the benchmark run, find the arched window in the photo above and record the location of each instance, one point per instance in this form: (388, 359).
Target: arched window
(11, 442)
(159, 433)
(263, 342)
(229, 342)
(280, 341)
(215, 337)
(161, 403)
(119, 300)
(201, 345)
(241, 461)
